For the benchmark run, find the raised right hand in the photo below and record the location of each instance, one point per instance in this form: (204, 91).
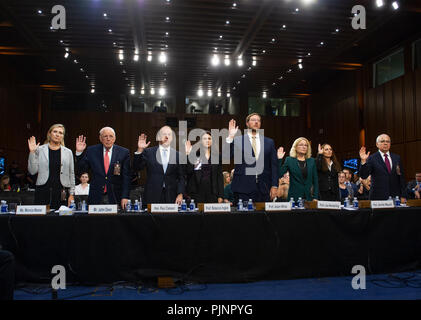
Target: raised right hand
(188, 147)
(363, 155)
(232, 128)
(32, 144)
(141, 143)
(80, 144)
(281, 153)
(320, 149)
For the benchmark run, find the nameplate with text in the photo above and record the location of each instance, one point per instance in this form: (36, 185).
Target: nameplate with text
(217, 207)
(382, 204)
(102, 209)
(332, 205)
(277, 206)
(164, 207)
(28, 210)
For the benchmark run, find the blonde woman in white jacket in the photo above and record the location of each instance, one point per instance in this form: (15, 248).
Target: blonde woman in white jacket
(54, 164)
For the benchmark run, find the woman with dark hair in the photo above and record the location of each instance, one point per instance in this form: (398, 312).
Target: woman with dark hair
(327, 170)
(54, 164)
(204, 180)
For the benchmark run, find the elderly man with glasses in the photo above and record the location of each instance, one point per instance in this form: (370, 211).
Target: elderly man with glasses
(386, 170)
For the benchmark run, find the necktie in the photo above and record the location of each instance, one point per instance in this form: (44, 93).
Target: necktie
(165, 159)
(386, 160)
(254, 146)
(106, 165)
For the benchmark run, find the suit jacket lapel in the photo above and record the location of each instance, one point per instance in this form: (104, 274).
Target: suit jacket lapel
(382, 163)
(112, 160)
(101, 157)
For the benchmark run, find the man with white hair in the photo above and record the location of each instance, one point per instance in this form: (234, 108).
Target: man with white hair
(110, 168)
(165, 175)
(386, 170)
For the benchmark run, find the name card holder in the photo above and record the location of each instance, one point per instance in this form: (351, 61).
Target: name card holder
(382, 204)
(163, 208)
(277, 206)
(32, 210)
(310, 204)
(413, 202)
(103, 209)
(329, 205)
(215, 207)
(364, 204)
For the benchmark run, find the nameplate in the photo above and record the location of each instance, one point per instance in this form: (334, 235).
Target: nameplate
(28, 210)
(382, 204)
(102, 209)
(332, 205)
(164, 207)
(217, 207)
(277, 206)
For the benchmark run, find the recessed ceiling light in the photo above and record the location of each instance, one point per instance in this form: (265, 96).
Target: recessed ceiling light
(379, 3)
(395, 5)
(297, 9)
(167, 19)
(227, 22)
(110, 30)
(105, 15)
(39, 11)
(220, 37)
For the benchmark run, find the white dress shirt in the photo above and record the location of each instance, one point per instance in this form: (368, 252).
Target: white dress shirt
(388, 156)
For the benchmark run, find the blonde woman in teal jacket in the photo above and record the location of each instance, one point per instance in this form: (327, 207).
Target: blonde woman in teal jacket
(302, 170)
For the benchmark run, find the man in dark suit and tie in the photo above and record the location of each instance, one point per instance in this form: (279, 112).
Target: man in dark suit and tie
(386, 170)
(110, 167)
(413, 189)
(256, 164)
(165, 175)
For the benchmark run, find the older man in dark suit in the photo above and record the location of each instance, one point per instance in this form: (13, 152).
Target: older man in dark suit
(386, 170)
(110, 166)
(165, 175)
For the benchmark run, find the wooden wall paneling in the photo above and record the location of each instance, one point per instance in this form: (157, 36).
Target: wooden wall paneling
(380, 114)
(370, 115)
(408, 110)
(418, 102)
(397, 88)
(411, 161)
(388, 109)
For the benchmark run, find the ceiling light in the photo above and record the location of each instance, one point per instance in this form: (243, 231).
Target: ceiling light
(105, 15)
(336, 30)
(215, 60)
(227, 60)
(297, 10)
(121, 55)
(209, 93)
(167, 19)
(93, 90)
(132, 92)
(395, 5)
(307, 1)
(152, 91)
(219, 93)
(284, 26)
(379, 3)
(110, 30)
(300, 60)
(234, 4)
(75, 61)
(264, 51)
(309, 54)
(162, 92)
(200, 93)
(220, 37)
(264, 95)
(39, 11)
(273, 39)
(254, 62)
(228, 95)
(142, 91)
(274, 84)
(300, 66)
(136, 57)
(162, 57)
(149, 57)
(81, 69)
(66, 55)
(167, 34)
(240, 61)
(227, 22)
(322, 43)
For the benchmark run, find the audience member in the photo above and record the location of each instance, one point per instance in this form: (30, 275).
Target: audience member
(414, 187)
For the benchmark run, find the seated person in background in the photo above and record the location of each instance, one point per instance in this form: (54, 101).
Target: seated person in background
(5, 183)
(352, 187)
(343, 190)
(7, 275)
(414, 187)
(16, 175)
(364, 188)
(283, 188)
(227, 178)
(30, 180)
(82, 189)
(228, 194)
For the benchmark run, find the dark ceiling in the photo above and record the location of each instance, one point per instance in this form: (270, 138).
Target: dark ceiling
(271, 31)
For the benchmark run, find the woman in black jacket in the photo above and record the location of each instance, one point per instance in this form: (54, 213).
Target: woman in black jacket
(327, 171)
(204, 180)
